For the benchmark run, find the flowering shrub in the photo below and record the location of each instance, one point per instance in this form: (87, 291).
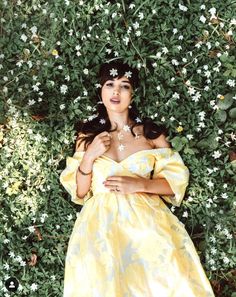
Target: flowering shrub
(50, 54)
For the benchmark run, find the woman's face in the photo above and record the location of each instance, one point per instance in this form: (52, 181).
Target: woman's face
(117, 94)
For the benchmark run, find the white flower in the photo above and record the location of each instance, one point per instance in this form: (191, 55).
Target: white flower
(212, 239)
(121, 147)
(211, 261)
(174, 31)
(34, 30)
(34, 287)
(216, 154)
(19, 63)
(132, 5)
(182, 7)
(226, 260)
(86, 71)
(113, 72)
(212, 11)
(53, 277)
(69, 217)
(189, 136)
(31, 229)
(185, 214)
(31, 102)
(6, 266)
(23, 37)
(231, 82)
(102, 121)
(138, 120)
(224, 195)
(176, 96)
(165, 50)
(136, 25)
(175, 62)
(126, 128)
(63, 89)
(62, 106)
(6, 241)
(210, 184)
(213, 250)
(11, 254)
(233, 22)
(203, 6)
(128, 74)
(35, 87)
(126, 40)
(141, 15)
(202, 19)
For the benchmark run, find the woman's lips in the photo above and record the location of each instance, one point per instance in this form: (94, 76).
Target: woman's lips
(115, 100)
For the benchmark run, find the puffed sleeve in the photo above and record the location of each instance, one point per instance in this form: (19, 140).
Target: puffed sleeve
(169, 165)
(68, 178)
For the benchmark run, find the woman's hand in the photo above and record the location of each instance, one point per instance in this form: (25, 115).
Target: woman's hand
(99, 145)
(125, 184)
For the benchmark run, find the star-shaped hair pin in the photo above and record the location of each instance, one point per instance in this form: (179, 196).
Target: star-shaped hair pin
(113, 72)
(128, 74)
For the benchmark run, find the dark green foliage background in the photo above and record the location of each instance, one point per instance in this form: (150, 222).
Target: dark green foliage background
(37, 120)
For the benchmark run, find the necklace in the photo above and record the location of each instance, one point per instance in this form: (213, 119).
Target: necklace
(120, 136)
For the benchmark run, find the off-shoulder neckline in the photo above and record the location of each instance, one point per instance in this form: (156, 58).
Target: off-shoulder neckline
(131, 155)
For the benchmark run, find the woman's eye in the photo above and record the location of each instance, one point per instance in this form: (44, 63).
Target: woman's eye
(126, 87)
(109, 84)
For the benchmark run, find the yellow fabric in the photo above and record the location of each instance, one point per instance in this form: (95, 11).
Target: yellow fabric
(131, 245)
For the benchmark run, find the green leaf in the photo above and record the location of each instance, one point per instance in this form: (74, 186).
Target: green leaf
(208, 143)
(226, 102)
(221, 115)
(178, 142)
(224, 58)
(232, 113)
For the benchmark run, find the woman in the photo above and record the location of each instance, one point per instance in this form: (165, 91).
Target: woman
(126, 242)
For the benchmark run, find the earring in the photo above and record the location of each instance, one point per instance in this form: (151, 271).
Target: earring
(100, 102)
(130, 106)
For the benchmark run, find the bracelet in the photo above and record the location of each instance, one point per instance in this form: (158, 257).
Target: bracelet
(84, 173)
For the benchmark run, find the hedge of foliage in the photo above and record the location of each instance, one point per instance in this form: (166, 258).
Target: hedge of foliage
(50, 54)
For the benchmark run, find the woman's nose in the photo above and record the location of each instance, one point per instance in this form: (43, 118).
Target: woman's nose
(116, 91)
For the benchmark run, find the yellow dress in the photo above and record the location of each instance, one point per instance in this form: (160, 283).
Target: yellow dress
(131, 245)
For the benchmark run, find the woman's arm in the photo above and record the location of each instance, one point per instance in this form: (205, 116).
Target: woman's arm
(158, 186)
(86, 165)
(98, 146)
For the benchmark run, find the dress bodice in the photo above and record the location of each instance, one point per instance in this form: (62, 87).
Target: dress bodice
(164, 162)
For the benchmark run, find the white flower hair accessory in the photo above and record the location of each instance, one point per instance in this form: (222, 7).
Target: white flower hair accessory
(128, 74)
(113, 72)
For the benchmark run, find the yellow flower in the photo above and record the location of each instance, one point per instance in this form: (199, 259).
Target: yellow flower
(54, 52)
(13, 189)
(179, 129)
(221, 97)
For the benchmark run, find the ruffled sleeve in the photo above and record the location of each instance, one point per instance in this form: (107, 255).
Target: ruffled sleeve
(68, 178)
(169, 165)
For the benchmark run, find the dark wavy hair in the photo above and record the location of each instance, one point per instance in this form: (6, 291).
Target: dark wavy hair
(92, 127)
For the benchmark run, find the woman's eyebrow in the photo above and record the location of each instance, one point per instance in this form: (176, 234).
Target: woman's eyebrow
(126, 81)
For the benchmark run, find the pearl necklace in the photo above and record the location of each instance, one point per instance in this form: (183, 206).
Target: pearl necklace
(120, 136)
